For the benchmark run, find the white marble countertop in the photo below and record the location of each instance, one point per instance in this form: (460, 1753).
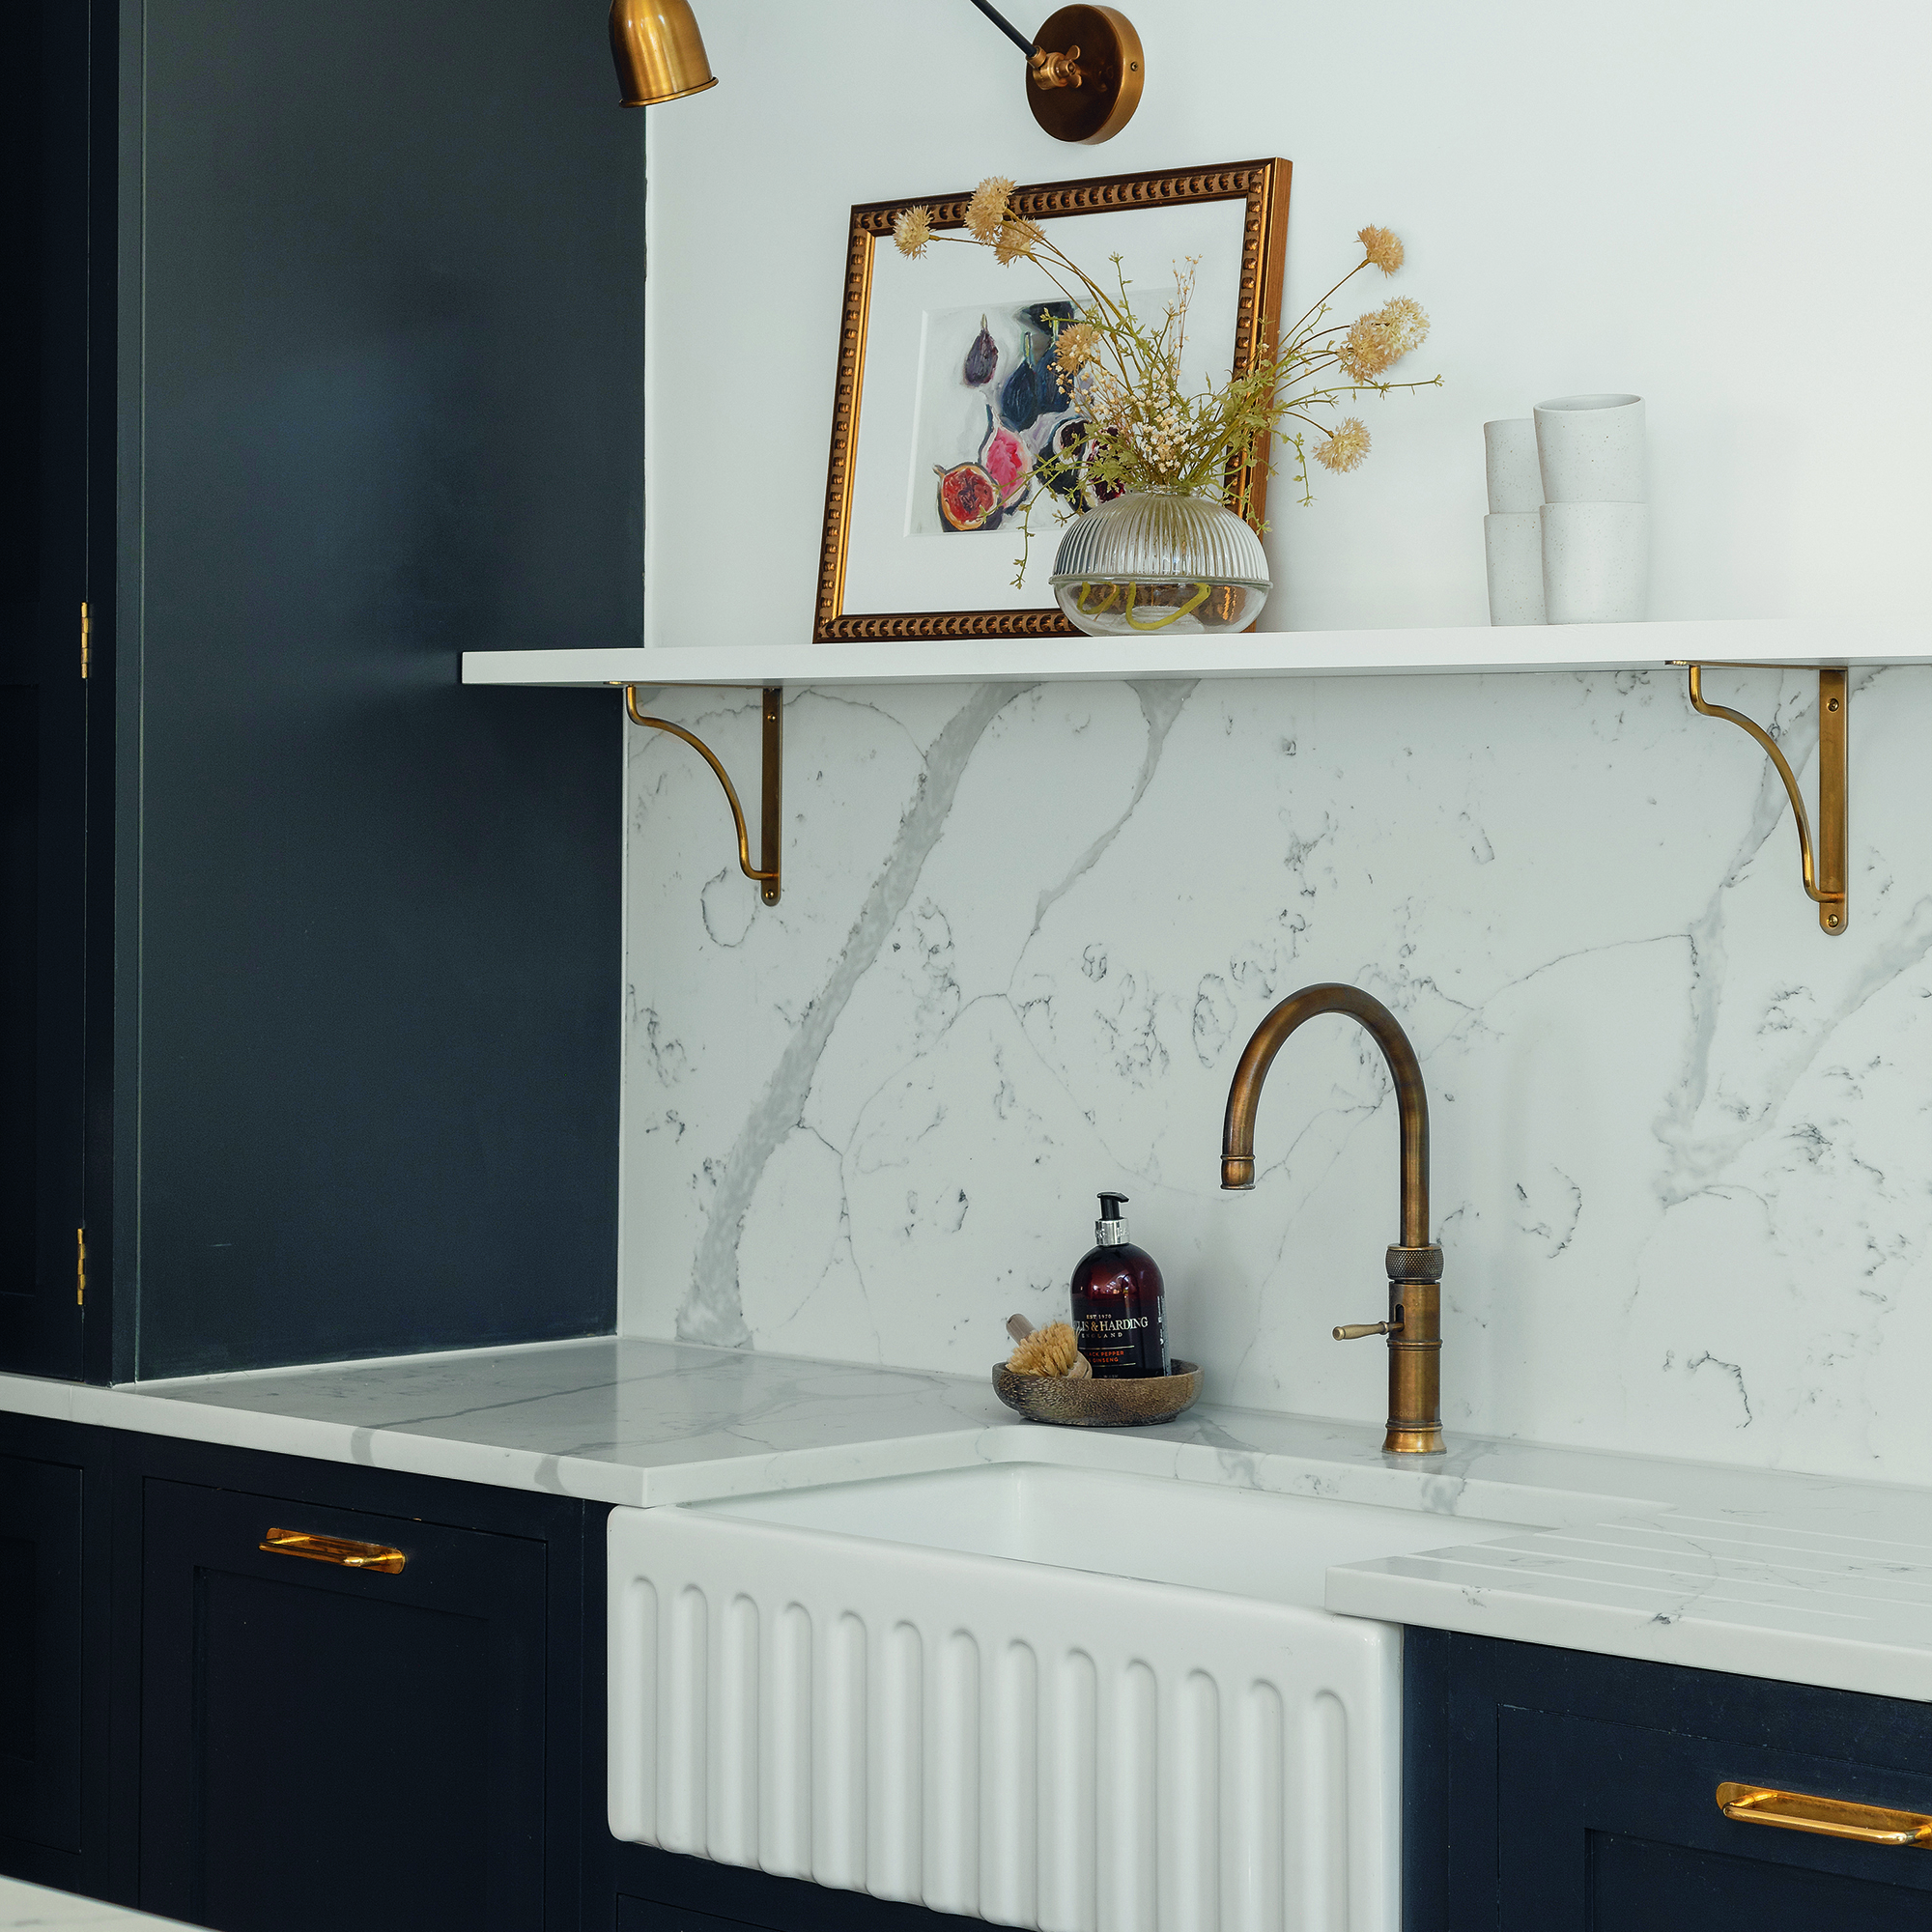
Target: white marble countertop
(23, 1905)
(1808, 1579)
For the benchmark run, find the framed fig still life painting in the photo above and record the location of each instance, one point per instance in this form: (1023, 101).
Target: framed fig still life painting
(956, 431)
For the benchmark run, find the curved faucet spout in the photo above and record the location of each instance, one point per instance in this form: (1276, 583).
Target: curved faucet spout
(1414, 1324)
(1237, 1136)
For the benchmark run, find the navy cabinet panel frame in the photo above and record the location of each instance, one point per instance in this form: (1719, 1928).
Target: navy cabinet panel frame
(312, 1733)
(118, 1468)
(58, 244)
(555, 1522)
(41, 1511)
(1555, 1789)
(54, 1785)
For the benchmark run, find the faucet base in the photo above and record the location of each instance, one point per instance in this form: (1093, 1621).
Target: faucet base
(1403, 1441)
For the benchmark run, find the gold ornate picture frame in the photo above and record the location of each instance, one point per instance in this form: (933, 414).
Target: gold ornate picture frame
(1261, 186)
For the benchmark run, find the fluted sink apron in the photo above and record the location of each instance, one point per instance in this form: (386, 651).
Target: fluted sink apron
(1070, 1699)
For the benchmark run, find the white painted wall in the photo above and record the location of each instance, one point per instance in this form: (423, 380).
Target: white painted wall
(1682, 1136)
(1718, 204)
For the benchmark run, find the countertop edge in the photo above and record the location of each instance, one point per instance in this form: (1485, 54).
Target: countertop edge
(719, 1431)
(1697, 1643)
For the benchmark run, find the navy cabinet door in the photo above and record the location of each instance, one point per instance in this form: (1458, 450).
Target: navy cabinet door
(326, 1746)
(55, 1762)
(56, 296)
(40, 1642)
(1554, 1791)
(1615, 1828)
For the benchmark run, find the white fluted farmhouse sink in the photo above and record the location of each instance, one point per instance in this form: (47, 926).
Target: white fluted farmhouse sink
(1073, 1699)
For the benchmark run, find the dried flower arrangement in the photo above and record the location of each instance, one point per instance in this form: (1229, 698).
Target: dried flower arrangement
(1148, 433)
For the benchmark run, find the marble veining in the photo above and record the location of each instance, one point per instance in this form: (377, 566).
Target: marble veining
(1680, 1134)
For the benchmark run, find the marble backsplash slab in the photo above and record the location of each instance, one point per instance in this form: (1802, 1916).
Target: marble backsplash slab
(1681, 1137)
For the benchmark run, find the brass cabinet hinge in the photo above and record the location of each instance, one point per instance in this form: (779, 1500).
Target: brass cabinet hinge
(86, 640)
(80, 1267)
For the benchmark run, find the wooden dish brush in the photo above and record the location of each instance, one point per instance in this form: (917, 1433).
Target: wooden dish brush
(1051, 1350)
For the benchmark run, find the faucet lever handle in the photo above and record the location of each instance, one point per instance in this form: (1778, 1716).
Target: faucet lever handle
(1353, 1331)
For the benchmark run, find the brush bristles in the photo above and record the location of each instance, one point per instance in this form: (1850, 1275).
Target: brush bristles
(1051, 1350)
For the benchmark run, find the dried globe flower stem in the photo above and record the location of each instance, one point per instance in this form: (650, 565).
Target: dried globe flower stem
(1149, 432)
(987, 210)
(1347, 447)
(1383, 249)
(912, 230)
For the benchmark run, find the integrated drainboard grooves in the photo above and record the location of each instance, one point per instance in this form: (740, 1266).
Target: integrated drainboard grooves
(1034, 1747)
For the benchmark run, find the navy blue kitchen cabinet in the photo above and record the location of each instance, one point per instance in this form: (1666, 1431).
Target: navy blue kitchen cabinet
(53, 1653)
(1552, 1791)
(250, 1739)
(310, 1729)
(320, 1742)
(322, 331)
(57, 243)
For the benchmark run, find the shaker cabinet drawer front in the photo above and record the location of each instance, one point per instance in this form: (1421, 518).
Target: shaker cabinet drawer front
(1617, 1827)
(342, 1718)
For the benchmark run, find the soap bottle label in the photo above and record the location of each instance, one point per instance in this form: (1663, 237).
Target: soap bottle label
(1119, 1312)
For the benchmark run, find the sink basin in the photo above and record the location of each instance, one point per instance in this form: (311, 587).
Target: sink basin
(1199, 1536)
(1073, 1699)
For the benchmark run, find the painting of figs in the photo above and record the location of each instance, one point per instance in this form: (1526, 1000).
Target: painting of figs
(995, 428)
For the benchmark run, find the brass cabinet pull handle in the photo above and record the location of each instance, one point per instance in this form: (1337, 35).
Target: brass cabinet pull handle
(1831, 1817)
(343, 1549)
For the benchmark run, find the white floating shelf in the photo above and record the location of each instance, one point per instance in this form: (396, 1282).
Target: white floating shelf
(1422, 651)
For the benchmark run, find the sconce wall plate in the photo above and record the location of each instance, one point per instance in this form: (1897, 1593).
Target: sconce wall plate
(1084, 80)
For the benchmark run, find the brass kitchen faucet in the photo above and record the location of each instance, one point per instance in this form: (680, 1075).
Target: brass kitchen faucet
(1414, 1327)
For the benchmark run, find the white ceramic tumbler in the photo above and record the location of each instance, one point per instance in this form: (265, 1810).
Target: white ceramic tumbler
(1514, 548)
(1590, 449)
(1596, 562)
(1509, 452)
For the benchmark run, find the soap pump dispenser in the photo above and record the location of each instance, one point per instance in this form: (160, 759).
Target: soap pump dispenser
(1119, 1312)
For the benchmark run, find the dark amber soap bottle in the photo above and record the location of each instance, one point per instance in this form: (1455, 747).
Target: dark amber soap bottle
(1120, 1307)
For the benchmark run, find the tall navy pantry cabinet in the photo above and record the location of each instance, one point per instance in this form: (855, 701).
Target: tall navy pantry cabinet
(56, 722)
(327, 330)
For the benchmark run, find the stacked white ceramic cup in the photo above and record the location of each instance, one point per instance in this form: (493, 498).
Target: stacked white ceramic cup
(1595, 509)
(1513, 530)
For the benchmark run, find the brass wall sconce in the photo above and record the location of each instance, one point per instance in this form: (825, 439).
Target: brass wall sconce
(1084, 68)
(1824, 871)
(766, 874)
(659, 51)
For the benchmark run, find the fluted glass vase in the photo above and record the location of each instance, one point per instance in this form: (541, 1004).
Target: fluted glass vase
(1161, 563)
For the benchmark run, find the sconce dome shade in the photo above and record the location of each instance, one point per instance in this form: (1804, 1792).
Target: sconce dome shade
(659, 51)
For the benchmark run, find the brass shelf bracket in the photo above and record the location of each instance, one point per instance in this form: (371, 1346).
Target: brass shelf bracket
(1824, 869)
(766, 874)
